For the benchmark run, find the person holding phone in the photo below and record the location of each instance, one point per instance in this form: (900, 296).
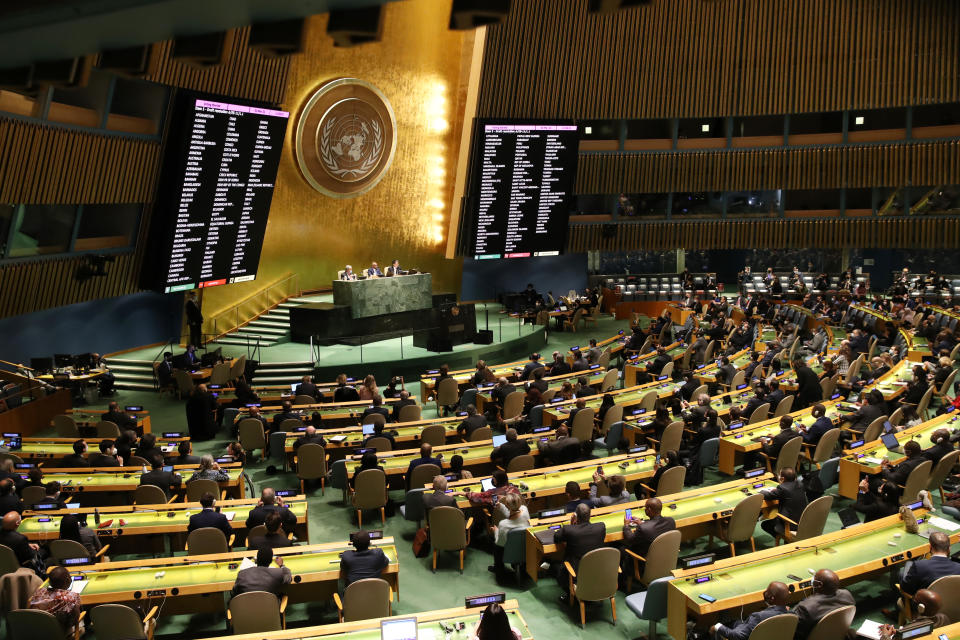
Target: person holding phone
(616, 489)
(667, 460)
(639, 534)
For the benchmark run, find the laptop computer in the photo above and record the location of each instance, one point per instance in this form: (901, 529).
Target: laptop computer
(848, 517)
(499, 440)
(367, 429)
(890, 441)
(400, 629)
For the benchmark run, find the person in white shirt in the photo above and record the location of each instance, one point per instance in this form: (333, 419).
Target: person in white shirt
(518, 518)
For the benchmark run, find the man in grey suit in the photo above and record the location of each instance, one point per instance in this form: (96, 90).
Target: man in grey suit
(827, 596)
(439, 496)
(263, 577)
(580, 536)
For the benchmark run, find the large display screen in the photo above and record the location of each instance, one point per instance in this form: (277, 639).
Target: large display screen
(524, 193)
(216, 183)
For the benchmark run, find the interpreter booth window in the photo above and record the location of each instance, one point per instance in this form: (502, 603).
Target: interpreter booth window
(42, 229)
(816, 128)
(82, 106)
(758, 203)
(107, 226)
(649, 135)
(137, 107)
(699, 204)
(643, 205)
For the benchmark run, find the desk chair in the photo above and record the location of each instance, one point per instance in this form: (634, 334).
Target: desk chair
(940, 473)
(918, 479)
(251, 435)
(289, 425)
(776, 628)
(582, 427)
(206, 541)
(410, 413)
(759, 414)
(597, 580)
(375, 419)
(61, 550)
(872, 432)
(520, 463)
(120, 622)
(662, 561)
(650, 605)
(65, 426)
(379, 443)
(827, 387)
(423, 475)
(670, 482)
(256, 612)
(32, 495)
(783, 407)
(370, 492)
(824, 449)
(200, 486)
(304, 399)
(483, 433)
(30, 624)
(812, 520)
(311, 460)
(739, 527)
(149, 494)
(671, 438)
(833, 625)
(447, 394)
(107, 429)
(610, 377)
(435, 435)
(788, 456)
(364, 600)
(449, 531)
(513, 406)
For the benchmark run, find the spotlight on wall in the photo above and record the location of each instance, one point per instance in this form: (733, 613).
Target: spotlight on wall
(859, 120)
(612, 6)
(470, 14)
(95, 267)
(705, 128)
(350, 27)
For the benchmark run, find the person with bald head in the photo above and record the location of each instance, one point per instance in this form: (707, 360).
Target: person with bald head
(270, 503)
(775, 597)
(310, 436)
(827, 596)
(928, 605)
(639, 534)
(922, 573)
(25, 551)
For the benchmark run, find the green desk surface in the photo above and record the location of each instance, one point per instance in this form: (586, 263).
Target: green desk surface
(855, 549)
(107, 581)
(93, 417)
(60, 449)
(355, 436)
(429, 629)
(708, 371)
(870, 456)
(708, 503)
(74, 481)
(532, 481)
(769, 428)
(146, 519)
(674, 350)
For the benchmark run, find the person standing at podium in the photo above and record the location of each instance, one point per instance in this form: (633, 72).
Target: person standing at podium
(394, 269)
(374, 271)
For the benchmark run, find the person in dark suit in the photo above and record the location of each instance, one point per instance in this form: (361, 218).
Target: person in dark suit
(377, 408)
(658, 363)
(820, 426)
(9, 500)
(727, 371)
(580, 362)
(439, 496)
(870, 411)
(639, 534)
(510, 449)
(270, 503)
(922, 573)
(575, 497)
(579, 537)
(160, 478)
(263, 577)
(404, 401)
(827, 596)
(531, 366)
(274, 538)
(774, 395)
(877, 502)
(254, 413)
(899, 474)
(689, 385)
(362, 562)
(394, 269)
(917, 388)
(194, 318)
(307, 388)
(759, 393)
(201, 413)
(775, 597)
(941, 446)
(772, 446)
(560, 365)
(148, 449)
(808, 385)
(791, 501)
(184, 449)
(119, 418)
(25, 550)
(471, 423)
(563, 448)
(165, 370)
(107, 456)
(344, 392)
(209, 517)
(425, 458)
(125, 445)
(708, 429)
(698, 348)
(500, 392)
(52, 495)
(380, 432)
(286, 413)
(578, 406)
(77, 458)
(310, 436)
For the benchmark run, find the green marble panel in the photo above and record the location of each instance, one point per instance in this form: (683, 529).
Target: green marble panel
(379, 296)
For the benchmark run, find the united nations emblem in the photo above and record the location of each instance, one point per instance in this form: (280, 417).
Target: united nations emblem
(345, 138)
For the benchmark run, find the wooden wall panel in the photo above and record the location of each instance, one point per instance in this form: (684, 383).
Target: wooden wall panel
(246, 73)
(809, 168)
(685, 58)
(46, 164)
(927, 233)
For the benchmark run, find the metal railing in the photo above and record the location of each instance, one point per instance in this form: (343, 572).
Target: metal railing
(253, 306)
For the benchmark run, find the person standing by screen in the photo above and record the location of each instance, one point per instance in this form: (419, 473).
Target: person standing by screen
(194, 318)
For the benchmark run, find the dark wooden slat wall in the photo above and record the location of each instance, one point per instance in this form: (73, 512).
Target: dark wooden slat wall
(928, 233)
(851, 166)
(686, 58)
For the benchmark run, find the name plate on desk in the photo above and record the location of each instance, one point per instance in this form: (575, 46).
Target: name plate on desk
(378, 296)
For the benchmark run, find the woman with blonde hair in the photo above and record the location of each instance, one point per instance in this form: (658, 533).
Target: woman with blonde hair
(517, 518)
(369, 388)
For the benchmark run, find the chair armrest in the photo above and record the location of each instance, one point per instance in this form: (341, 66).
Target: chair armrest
(337, 601)
(569, 568)
(499, 468)
(652, 440)
(67, 501)
(390, 594)
(103, 550)
(151, 613)
(296, 459)
(646, 487)
(174, 499)
(783, 517)
(636, 556)
(469, 523)
(77, 630)
(233, 538)
(223, 494)
(284, 600)
(229, 617)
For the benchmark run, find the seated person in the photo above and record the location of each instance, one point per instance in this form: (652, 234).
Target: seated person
(822, 424)
(898, 474)
(531, 366)
(345, 392)
(560, 365)
(772, 446)
(286, 413)
(368, 461)
(307, 388)
(274, 538)
(209, 470)
(380, 432)
(160, 478)
(563, 448)
(494, 623)
(791, 501)
(9, 500)
(210, 517)
(263, 577)
(439, 496)
(941, 446)
(348, 273)
(119, 418)
(578, 538)
(376, 409)
(25, 551)
(877, 501)
(107, 457)
(184, 449)
(920, 574)
(310, 436)
(574, 497)
(373, 271)
(271, 503)
(394, 269)
(931, 605)
(826, 597)
(517, 518)
(77, 458)
(639, 534)
(57, 599)
(510, 449)
(405, 401)
(426, 449)
(72, 528)
(471, 423)
(775, 598)
(362, 562)
(668, 460)
(616, 487)
(148, 448)
(52, 491)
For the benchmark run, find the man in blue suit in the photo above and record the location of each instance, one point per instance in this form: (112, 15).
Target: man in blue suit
(922, 573)
(209, 517)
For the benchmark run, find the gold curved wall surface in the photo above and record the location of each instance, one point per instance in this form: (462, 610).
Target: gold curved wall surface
(422, 68)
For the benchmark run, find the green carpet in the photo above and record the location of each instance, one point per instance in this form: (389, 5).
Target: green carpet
(422, 590)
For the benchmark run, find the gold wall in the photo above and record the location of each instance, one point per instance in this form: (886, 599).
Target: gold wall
(422, 68)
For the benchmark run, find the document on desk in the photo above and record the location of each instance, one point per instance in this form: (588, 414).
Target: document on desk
(78, 586)
(869, 629)
(940, 523)
(246, 563)
(872, 460)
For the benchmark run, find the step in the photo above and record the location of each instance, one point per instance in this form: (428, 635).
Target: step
(132, 377)
(297, 364)
(267, 380)
(280, 311)
(122, 370)
(126, 361)
(234, 341)
(267, 328)
(135, 386)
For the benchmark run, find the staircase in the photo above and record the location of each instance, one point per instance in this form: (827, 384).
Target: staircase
(269, 373)
(131, 374)
(271, 327)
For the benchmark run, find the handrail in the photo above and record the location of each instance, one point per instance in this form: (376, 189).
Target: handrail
(235, 308)
(169, 344)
